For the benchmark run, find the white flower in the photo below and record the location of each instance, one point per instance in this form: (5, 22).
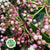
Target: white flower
(30, 20)
(3, 29)
(24, 14)
(2, 6)
(46, 27)
(31, 47)
(2, 40)
(5, 4)
(0, 0)
(36, 25)
(13, 28)
(35, 37)
(0, 28)
(12, 22)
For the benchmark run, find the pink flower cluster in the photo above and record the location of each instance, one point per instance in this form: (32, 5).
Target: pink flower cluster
(3, 38)
(44, 26)
(10, 18)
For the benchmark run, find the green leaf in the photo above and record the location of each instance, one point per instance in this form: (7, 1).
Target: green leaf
(17, 48)
(46, 48)
(45, 37)
(8, 32)
(39, 16)
(13, 1)
(33, 27)
(48, 1)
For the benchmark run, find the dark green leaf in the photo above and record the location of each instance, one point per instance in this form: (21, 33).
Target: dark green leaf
(8, 32)
(13, 1)
(45, 37)
(33, 27)
(46, 48)
(39, 16)
(20, 15)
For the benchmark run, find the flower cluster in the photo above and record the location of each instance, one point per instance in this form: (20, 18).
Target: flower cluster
(19, 24)
(8, 17)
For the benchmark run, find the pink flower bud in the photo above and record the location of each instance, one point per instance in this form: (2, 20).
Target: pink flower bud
(48, 45)
(43, 30)
(35, 37)
(20, 45)
(25, 18)
(46, 20)
(30, 2)
(17, 8)
(18, 42)
(19, 23)
(34, 45)
(46, 23)
(6, 37)
(2, 40)
(34, 20)
(9, 21)
(18, 1)
(36, 8)
(7, 49)
(44, 17)
(25, 42)
(30, 29)
(31, 9)
(28, 23)
(34, 5)
(2, 24)
(25, 11)
(39, 23)
(39, 2)
(28, 5)
(43, 41)
(39, 36)
(36, 25)
(1, 36)
(46, 26)
(49, 20)
(39, 42)
(12, 29)
(22, 41)
(18, 39)
(16, 22)
(20, 29)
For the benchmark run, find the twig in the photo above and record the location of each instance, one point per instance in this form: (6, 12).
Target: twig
(47, 13)
(38, 12)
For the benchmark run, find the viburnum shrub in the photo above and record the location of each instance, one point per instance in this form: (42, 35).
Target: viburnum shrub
(27, 22)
